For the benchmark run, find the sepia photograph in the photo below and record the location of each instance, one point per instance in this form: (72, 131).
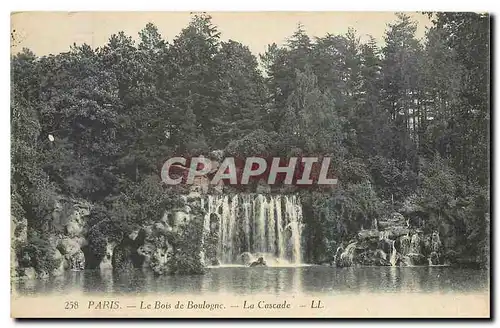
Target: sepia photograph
(250, 164)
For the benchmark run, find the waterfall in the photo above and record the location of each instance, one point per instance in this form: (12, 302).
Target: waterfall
(415, 244)
(435, 242)
(262, 225)
(347, 256)
(405, 245)
(435, 247)
(294, 211)
(393, 258)
(384, 235)
(280, 239)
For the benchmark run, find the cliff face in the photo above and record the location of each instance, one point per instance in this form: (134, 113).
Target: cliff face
(66, 226)
(69, 221)
(69, 245)
(19, 236)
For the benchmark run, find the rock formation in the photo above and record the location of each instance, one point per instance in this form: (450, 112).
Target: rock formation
(393, 241)
(67, 227)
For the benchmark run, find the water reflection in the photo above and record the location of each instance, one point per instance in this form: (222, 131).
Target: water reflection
(277, 280)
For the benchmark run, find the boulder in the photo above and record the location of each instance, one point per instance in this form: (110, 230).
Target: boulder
(416, 259)
(156, 247)
(42, 275)
(259, 263)
(410, 206)
(68, 222)
(158, 260)
(122, 258)
(385, 245)
(76, 261)
(69, 246)
(217, 155)
(106, 261)
(75, 227)
(370, 243)
(395, 219)
(26, 273)
(181, 219)
(434, 259)
(451, 256)
(403, 244)
(62, 264)
(346, 257)
(70, 216)
(194, 194)
(19, 230)
(246, 258)
(70, 249)
(382, 225)
(368, 234)
(394, 232)
(133, 235)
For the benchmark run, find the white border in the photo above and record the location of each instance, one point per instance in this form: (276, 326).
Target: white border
(186, 5)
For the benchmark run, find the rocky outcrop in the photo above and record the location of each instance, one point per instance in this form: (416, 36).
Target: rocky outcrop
(151, 247)
(26, 273)
(393, 241)
(106, 262)
(62, 264)
(19, 236)
(42, 256)
(125, 256)
(70, 216)
(246, 258)
(156, 247)
(69, 221)
(259, 263)
(71, 251)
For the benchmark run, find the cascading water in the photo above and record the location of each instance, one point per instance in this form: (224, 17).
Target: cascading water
(393, 258)
(384, 235)
(435, 242)
(433, 258)
(405, 243)
(268, 226)
(347, 257)
(415, 247)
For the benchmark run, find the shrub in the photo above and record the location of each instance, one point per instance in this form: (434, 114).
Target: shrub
(38, 253)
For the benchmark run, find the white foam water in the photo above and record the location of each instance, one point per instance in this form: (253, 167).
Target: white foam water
(268, 226)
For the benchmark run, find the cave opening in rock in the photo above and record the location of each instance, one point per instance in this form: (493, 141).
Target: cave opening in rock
(92, 257)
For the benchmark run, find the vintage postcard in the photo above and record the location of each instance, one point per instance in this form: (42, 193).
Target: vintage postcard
(250, 164)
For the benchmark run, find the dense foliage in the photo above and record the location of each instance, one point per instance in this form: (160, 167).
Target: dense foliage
(407, 124)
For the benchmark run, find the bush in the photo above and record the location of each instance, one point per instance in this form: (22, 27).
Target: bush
(185, 257)
(257, 143)
(38, 253)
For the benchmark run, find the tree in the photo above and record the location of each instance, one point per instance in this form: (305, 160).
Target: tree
(244, 95)
(400, 85)
(197, 82)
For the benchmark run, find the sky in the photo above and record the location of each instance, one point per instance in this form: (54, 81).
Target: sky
(53, 32)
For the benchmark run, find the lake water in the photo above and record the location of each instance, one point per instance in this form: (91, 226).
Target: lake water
(309, 280)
